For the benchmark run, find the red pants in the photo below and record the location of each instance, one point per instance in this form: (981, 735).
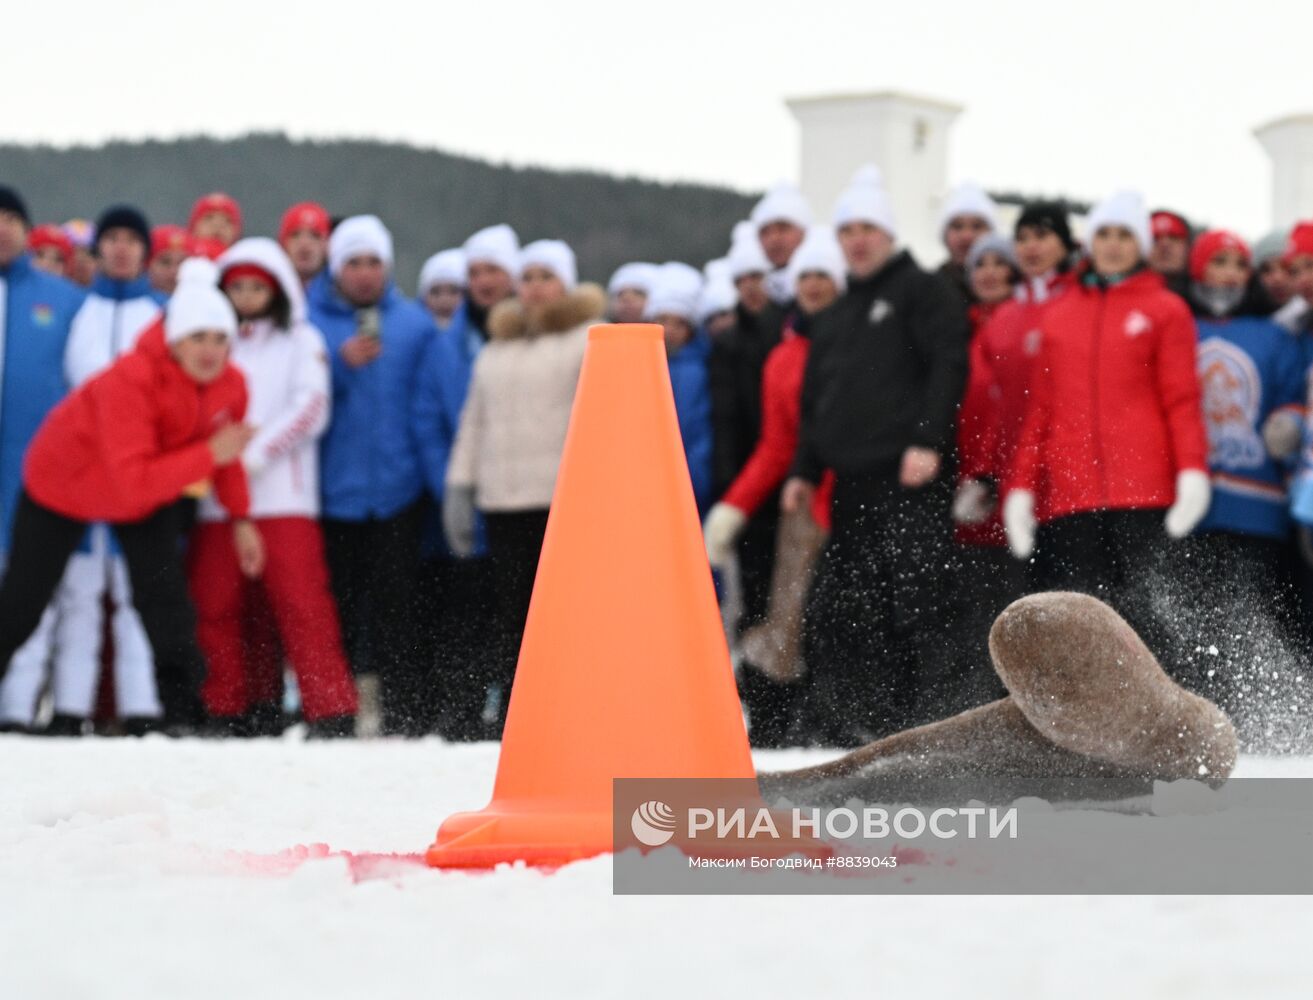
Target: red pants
(296, 585)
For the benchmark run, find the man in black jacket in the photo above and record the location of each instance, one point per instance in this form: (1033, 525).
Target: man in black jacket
(879, 404)
(737, 358)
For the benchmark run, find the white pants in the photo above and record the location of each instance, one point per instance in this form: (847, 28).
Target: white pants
(27, 673)
(76, 621)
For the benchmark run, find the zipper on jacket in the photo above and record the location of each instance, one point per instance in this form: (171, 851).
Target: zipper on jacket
(114, 330)
(1095, 375)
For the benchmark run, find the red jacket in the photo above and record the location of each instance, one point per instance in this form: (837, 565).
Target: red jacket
(781, 414)
(1114, 410)
(973, 418)
(1002, 356)
(130, 440)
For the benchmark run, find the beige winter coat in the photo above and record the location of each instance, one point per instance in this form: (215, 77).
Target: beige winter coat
(512, 429)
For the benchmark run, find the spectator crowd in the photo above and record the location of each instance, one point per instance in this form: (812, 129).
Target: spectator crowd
(245, 479)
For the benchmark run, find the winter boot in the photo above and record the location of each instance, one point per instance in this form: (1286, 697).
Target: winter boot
(332, 727)
(65, 725)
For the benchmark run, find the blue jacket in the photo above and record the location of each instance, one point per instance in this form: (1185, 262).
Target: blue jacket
(444, 382)
(369, 456)
(36, 310)
(691, 382)
(1248, 369)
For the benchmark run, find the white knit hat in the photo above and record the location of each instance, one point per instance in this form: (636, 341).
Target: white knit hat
(819, 251)
(747, 257)
(782, 203)
(716, 269)
(496, 245)
(676, 292)
(637, 274)
(446, 267)
(1125, 208)
(865, 200)
(968, 199)
(359, 236)
(718, 295)
(556, 256)
(197, 304)
(990, 243)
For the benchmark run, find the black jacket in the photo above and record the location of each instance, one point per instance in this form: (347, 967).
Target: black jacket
(887, 369)
(737, 357)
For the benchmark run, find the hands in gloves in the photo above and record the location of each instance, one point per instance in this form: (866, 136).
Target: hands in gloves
(1194, 492)
(1281, 433)
(458, 520)
(1019, 522)
(722, 528)
(973, 502)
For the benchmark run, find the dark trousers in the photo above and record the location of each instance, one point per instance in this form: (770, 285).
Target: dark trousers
(42, 543)
(771, 706)
(874, 641)
(515, 541)
(459, 613)
(988, 578)
(1123, 557)
(373, 568)
(1239, 643)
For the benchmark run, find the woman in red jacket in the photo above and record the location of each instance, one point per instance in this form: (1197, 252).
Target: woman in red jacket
(771, 650)
(124, 448)
(1113, 449)
(1003, 353)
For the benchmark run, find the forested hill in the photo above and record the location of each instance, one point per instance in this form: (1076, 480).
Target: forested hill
(429, 199)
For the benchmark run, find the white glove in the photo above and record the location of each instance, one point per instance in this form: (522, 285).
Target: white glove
(1281, 434)
(722, 528)
(1194, 492)
(1019, 522)
(973, 502)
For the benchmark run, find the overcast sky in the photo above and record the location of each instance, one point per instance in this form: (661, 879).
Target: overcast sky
(1072, 98)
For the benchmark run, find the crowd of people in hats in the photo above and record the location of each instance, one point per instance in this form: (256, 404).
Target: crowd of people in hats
(245, 480)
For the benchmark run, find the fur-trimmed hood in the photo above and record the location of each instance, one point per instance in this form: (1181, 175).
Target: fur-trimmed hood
(509, 321)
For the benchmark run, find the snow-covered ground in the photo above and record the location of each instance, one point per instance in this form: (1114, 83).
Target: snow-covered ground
(281, 869)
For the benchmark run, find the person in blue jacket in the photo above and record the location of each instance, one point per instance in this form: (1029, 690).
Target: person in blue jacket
(673, 302)
(36, 312)
(1238, 566)
(458, 593)
(371, 478)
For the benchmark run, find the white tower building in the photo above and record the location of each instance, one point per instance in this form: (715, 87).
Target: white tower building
(904, 135)
(1289, 143)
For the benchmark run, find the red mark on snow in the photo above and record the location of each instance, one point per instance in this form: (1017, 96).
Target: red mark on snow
(363, 866)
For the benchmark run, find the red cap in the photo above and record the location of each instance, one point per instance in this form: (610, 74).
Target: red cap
(248, 271)
(216, 201)
(169, 237)
(49, 235)
(211, 249)
(1300, 243)
(1169, 224)
(1209, 245)
(304, 215)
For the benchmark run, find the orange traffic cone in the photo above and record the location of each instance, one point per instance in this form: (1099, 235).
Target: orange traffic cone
(623, 671)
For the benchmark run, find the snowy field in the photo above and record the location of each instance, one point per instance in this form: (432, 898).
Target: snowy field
(144, 869)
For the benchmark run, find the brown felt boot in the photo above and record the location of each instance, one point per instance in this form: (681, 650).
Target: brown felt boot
(1089, 684)
(1091, 715)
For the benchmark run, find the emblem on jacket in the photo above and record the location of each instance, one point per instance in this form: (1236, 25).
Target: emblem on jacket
(1137, 323)
(880, 310)
(1232, 394)
(1030, 343)
(42, 315)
